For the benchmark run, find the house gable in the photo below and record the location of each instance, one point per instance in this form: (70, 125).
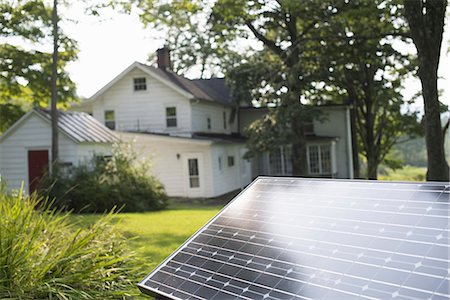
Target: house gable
(143, 110)
(147, 72)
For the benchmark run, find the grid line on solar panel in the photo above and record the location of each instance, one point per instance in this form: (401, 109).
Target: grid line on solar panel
(344, 260)
(343, 232)
(402, 254)
(438, 236)
(263, 272)
(421, 257)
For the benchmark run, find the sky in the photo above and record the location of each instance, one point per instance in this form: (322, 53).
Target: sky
(110, 43)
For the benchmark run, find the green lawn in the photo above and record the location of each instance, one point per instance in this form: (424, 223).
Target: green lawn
(155, 235)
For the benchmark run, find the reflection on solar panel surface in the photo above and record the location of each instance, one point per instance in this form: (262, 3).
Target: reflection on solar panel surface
(286, 238)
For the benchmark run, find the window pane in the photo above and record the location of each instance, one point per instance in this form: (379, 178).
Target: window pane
(230, 161)
(140, 84)
(194, 179)
(171, 122)
(194, 182)
(110, 121)
(171, 111)
(275, 162)
(193, 166)
(325, 157)
(314, 159)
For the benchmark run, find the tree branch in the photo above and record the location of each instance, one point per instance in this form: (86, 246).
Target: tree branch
(269, 43)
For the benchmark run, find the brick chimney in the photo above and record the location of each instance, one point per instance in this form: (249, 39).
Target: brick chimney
(163, 60)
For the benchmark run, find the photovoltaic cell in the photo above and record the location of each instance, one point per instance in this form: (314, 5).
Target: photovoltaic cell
(292, 238)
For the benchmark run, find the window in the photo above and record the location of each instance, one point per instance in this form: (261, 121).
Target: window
(208, 123)
(280, 161)
(140, 84)
(224, 120)
(220, 163)
(110, 119)
(308, 126)
(319, 158)
(194, 178)
(171, 116)
(230, 161)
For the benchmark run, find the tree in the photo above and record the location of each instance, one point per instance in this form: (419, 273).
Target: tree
(426, 23)
(54, 78)
(365, 70)
(25, 77)
(302, 49)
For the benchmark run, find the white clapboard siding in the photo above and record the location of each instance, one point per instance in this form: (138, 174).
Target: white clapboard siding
(33, 134)
(86, 151)
(229, 178)
(166, 154)
(143, 110)
(336, 123)
(202, 110)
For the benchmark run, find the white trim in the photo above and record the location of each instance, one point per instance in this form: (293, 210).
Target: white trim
(146, 71)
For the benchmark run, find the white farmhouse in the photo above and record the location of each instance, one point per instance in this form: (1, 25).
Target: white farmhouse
(25, 146)
(192, 130)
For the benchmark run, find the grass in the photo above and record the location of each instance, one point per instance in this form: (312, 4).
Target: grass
(155, 235)
(407, 173)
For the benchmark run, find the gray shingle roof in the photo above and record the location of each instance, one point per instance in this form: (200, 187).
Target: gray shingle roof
(214, 89)
(81, 127)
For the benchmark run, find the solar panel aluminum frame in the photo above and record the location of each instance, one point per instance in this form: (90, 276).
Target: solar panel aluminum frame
(158, 294)
(145, 289)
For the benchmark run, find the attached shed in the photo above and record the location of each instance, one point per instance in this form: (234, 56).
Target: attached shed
(201, 166)
(25, 148)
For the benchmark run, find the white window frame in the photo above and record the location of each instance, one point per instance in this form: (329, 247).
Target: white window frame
(167, 118)
(331, 146)
(285, 160)
(140, 86)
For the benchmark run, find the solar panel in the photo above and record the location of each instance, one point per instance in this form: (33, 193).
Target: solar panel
(292, 238)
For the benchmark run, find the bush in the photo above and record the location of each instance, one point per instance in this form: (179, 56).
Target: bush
(101, 184)
(44, 256)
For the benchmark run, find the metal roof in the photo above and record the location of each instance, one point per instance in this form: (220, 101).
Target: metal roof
(81, 127)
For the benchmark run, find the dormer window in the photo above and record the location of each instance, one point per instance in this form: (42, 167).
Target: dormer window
(140, 84)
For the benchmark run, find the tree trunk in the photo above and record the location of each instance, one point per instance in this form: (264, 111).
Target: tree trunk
(426, 23)
(372, 167)
(354, 136)
(299, 162)
(54, 111)
(437, 165)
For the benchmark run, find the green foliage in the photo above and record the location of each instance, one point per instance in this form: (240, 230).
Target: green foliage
(105, 183)
(407, 173)
(157, 234)
(44, 256)
(25, 68)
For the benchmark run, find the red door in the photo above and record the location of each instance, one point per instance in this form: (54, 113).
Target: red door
(37, 167)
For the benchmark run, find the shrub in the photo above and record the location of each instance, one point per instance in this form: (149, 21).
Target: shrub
(44, 256)
(101, 184)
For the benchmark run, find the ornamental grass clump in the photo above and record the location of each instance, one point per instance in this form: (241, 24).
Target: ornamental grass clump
(43, 255)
